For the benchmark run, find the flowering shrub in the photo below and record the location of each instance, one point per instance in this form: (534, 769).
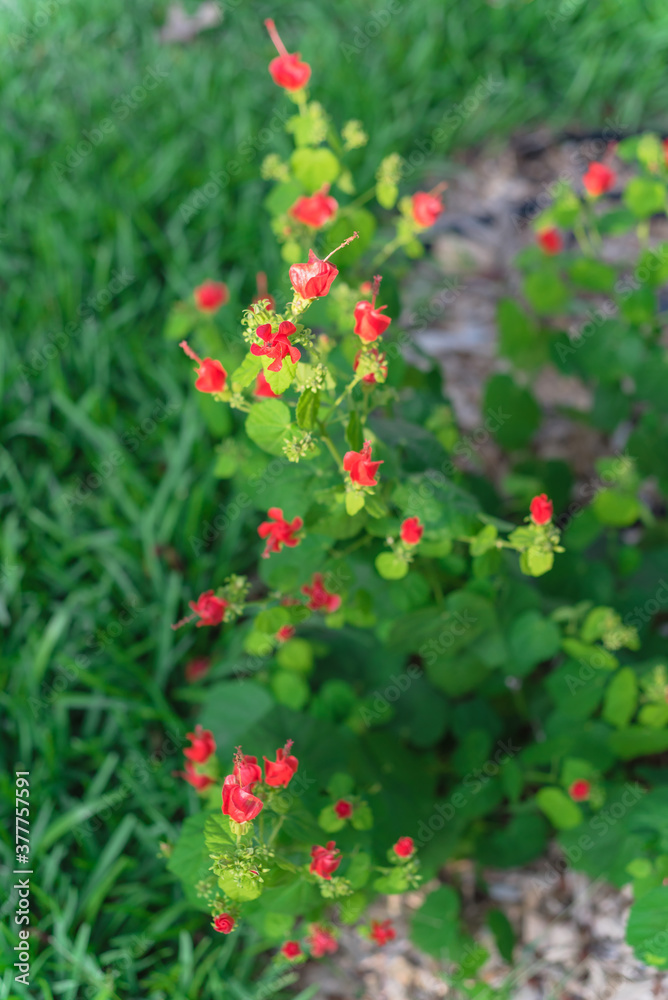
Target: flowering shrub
(379, 621)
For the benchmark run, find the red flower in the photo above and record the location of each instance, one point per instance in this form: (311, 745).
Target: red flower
(211, 375)
(411, 531)
(325, 860)
(579, 790)
(197, 668)
(380, 358)
(427, 206)
(321, 941)
(314, 279)
(280, 771)
(541, 509)
(203, 745)
(208, 608)
(358, 463)
(210, 296)
(198, 781)
(223, 923)
(276, 345)
(369, 322)
(280, 533)
(321, 599)
(286, 632)
(262, 387)
(247, 771)
(598, 179)
(343, 809)
(550, 240)
(315, 210)
(286, 70)
(382, 932)
(404, 847)
(291, 949)
(239, 803)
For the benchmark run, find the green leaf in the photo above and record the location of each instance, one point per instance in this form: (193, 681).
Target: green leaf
(519, 338)
(247, 371)
(503, 932)
(359, 870)
(281, 380)
(386, 194)
(359, 220)
(535, 562)
(181, 320)
(546, 292)
(615, 508)
(290, 689)
(297, 655)
(267, 424)
(217, 836)
(329, 820)
(340, 785)
(352, 907)
(638, 741)
(354, 435)
(189, 860)
(393, 883)
(271, 619)
(435, 926)
(362, 817)
(621, 698)
(645, 197)
(484, 540)
(282, 197)
(390, 566)
(314, 167)
(562, 812)
(307, 409)
(516, 414)
(354, 503)
(646, 928)
(592, 275)
(532, 640)
(589, 655)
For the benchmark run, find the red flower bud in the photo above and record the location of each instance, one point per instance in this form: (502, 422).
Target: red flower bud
(404, 847)
(209, 609)
(247, 771)
(276, 345)
(197, 669)
(426, 208)
(550, 241)
(358, 463)
(315, 210)
(541, 509)
(199, 781)
(223, 923)
(211, 375)
(320, 599)
(281, 771)
(598, 179)
(280, 532)
(325, 860)
(238, 802)
(203, 745)
(343, 809)
(321, 942)
(286, 70)
(579, 790)
(411, 531)
(286, 632)
(262, 387)
(370, 378)
(382, 932)
(370, 323)
(291, 949)
(210, 296)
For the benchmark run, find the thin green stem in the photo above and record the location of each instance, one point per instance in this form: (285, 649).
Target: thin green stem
(330, 444)
(274, 832)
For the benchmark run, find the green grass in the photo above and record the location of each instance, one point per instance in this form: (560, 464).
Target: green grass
(92, 731)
